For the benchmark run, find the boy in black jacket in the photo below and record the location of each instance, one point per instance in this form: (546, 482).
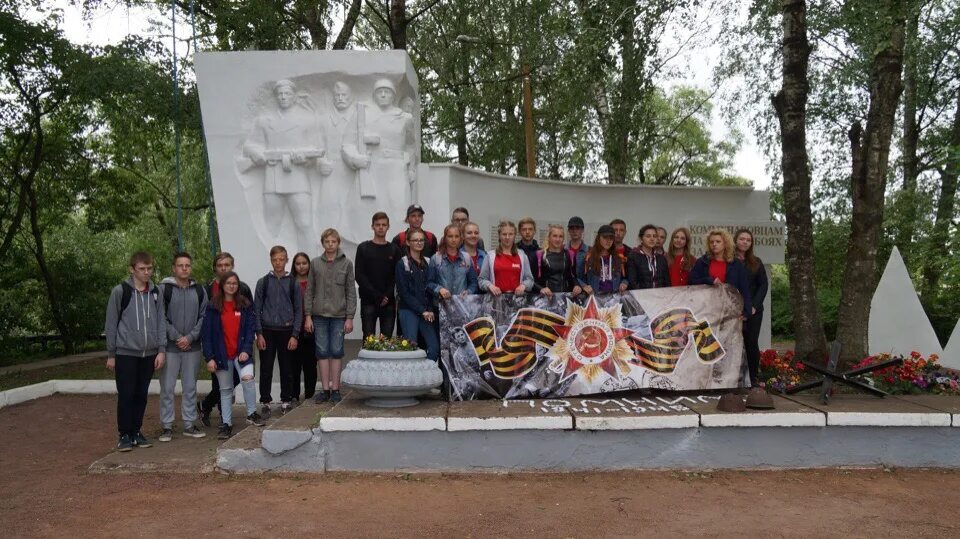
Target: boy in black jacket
(374, 268)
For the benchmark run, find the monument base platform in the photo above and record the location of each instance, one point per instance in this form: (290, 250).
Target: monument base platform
(585, 434)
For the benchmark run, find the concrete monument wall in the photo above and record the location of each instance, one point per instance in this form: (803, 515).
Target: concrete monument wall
(492, 197)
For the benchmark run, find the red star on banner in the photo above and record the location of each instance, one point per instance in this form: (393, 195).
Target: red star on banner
(587, 335)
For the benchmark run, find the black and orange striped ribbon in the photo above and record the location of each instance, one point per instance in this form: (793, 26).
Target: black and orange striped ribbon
(517, 353)
(671, 332)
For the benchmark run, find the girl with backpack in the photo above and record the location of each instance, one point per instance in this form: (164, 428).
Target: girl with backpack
(415, 301)
(452, 273)
(228, 334)
(602, 268)
(506, 268)
(473, 246)
(552, 268)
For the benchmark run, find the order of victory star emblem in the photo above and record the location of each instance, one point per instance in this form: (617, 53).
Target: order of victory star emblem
(592, 340)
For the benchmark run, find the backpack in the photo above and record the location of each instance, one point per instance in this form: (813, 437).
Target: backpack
(127, 295)
(293, 289)
(406, 263)
(168, 293)
(402, 236)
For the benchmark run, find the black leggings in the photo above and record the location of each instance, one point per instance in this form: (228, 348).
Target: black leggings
(306, 359)
(751, 345)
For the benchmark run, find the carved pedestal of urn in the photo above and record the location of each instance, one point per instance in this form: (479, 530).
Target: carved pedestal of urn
(392, 379)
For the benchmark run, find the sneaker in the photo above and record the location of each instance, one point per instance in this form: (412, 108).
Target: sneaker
(256, 419)
(265, 411)
(203, 414)
(321, 397)
(166, 435)
(125, 444)
(193, 432)
(285, 407)
(226, 431)
(335, 396)
(141, 441)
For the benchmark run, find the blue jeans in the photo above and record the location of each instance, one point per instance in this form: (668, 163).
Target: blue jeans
(226, 390)
(411, 323)
(328, 333)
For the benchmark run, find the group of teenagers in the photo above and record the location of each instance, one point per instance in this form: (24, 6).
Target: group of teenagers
(299, 318)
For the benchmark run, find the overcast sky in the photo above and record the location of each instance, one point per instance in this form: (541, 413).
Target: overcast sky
(108, 26)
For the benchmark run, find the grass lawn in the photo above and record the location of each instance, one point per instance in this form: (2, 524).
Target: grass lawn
(91, 369)
(18, 354)
(94, 369)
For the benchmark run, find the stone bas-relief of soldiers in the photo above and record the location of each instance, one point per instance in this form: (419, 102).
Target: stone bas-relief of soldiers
(335, 188)
(380, 144)
(288, 143)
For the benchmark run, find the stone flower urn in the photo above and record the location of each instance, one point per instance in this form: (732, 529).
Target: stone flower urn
(392, 379)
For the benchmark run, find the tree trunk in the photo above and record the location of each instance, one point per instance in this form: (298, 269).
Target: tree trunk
(940, 235)
(349, 22)
(53, 297)
(312, 19)
(870, 153)
(790, 104)
(911, 134)
(616, 139)
(463, 155)
(398, 24)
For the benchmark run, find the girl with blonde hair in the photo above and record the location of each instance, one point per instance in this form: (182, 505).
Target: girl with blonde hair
(719, 266)
(679, 258)
(506, 269)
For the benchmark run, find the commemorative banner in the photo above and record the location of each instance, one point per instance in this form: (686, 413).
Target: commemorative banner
(532, 346)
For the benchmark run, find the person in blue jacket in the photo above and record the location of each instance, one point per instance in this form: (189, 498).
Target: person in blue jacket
(228, 334)
(719, 266)
(452, 273)
(757, 277)
(415, 302)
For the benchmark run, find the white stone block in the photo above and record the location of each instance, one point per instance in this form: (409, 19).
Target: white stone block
(884, 419)
(362, 424)
(532, 422)
(680, 421)
(767, 419)
(28, 393)
(91, 387)
(898, 323)
(951, 352)
(277, 442)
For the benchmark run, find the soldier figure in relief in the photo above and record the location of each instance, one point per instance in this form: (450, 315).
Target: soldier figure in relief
(287, 142)
(380, 144)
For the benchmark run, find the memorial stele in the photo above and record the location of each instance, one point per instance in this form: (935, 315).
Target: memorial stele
(301, 141)
(304, 141)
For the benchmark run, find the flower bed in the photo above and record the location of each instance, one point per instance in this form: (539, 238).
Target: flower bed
(778, 372)
(917, 374)
(388, 344)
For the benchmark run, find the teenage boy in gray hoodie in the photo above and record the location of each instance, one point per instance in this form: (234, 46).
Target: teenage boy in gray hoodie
(184, 302)
(136, 341)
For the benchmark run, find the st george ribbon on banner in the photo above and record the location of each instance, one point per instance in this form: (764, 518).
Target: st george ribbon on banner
(533, 346)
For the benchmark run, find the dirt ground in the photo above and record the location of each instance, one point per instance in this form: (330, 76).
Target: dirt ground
(46, 490)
